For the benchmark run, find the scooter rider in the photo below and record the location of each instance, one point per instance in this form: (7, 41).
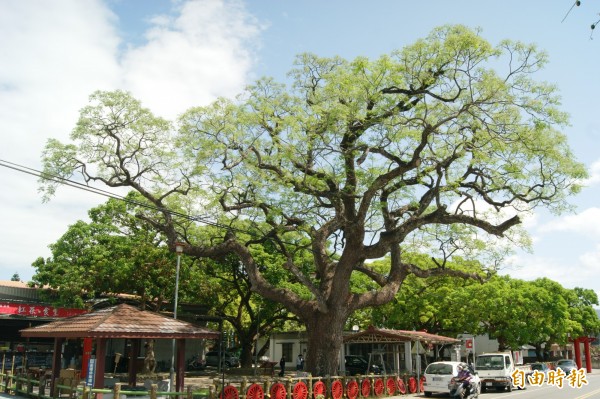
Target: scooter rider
(464, 376)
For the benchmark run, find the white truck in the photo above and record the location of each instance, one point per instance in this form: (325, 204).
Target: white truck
(495, 370)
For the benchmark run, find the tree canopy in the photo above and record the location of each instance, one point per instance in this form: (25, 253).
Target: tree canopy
(439, 146)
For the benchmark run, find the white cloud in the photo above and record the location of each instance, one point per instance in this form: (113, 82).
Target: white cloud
(53, 55)
(582, 274)
(189, 60)
(594, 177)
(591, 262)
(586, 223)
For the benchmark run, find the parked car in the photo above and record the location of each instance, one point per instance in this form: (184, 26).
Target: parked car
(229, 359)
(440, 375)
(566, 365)
(540, 368)
(359, 365)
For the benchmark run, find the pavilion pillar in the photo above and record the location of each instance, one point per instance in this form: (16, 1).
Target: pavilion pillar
(88, 347)
(577, 346)
(100, 363)
(588, 355)
(180, 365)
(133, 355)
(56, 362)
(408, 356)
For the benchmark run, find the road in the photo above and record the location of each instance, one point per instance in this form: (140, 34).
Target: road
(589, 391)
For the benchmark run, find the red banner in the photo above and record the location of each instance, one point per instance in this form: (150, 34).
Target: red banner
(469, 343)
(30, 310)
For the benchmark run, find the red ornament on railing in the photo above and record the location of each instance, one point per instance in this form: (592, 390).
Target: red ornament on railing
(319, 388)
(278, 391)
(391, 386)
(230, 392)
(255, 391)
(379, 387)
(300, 390)
(365, 388)
(401, 386)
(412, 385)
(352, 389)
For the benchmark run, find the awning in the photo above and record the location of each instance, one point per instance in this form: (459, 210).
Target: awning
(383, 335)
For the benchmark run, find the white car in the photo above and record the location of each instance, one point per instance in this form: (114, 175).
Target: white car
(439, 375)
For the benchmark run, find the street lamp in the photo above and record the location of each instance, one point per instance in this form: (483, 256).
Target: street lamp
(178, 250)
(256, 344)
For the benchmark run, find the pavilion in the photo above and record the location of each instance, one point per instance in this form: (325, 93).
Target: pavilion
(121, 321)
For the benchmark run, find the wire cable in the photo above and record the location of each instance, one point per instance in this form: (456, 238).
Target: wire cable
(108, 194)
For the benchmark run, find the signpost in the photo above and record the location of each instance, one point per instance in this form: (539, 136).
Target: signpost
(91, 373)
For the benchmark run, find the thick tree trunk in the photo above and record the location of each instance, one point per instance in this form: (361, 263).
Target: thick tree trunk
(502, 345)
(539, 356)
(325, 340)
(247, 351)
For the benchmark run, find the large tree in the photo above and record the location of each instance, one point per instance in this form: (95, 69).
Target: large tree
(439, 146)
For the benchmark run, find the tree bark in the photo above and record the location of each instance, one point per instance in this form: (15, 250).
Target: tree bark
(325, 338)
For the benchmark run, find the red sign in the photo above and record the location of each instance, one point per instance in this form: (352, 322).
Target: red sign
(469, 343)
(30, 310)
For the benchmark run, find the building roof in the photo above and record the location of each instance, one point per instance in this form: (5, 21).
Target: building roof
(18, 291)
(384, 335)
(121, 321)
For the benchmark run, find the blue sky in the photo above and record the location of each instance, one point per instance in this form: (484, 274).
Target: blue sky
(176, 54)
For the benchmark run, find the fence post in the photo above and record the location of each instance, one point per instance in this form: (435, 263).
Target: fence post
(29, 378)
(56, 392)
(189, 392)
(243, 387)
(42, 386)
(19, 383)
(117, 391)
(288, 388)
(153, 390)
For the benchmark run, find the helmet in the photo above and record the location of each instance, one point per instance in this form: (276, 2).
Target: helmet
(460, 367)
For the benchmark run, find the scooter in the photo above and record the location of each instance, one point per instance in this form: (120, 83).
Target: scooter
(196, 363)
(457, 390)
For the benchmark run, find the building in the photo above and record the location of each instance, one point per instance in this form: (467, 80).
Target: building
(391, 350)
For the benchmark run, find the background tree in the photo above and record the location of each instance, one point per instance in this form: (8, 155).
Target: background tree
(437, 304)
(15, 277)
(582, 315)
(513, 311)
(250, 316)
(115, 253)
(433, 147)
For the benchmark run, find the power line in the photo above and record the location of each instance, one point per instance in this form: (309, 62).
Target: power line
(108, 194)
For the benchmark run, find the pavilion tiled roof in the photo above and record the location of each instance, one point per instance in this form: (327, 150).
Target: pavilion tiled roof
(384, 335)
(121, 321)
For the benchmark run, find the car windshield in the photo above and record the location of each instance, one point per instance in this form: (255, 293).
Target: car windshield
(354, 361)
(565, 363)
(492, 362)
(537, 366)
(439, 368)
